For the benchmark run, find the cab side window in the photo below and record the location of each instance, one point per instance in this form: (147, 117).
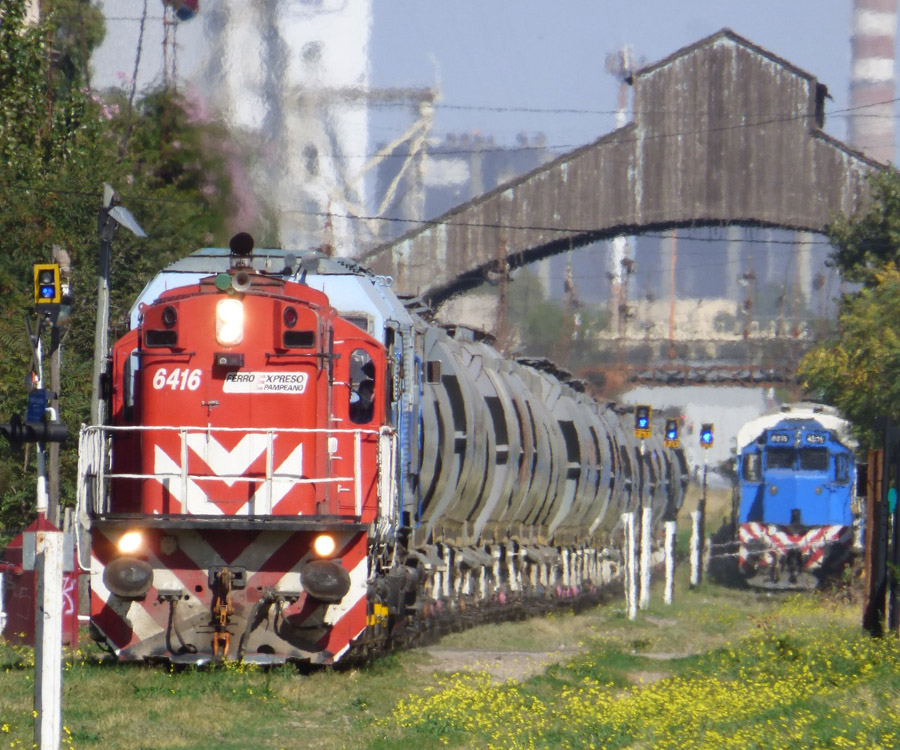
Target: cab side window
(362, 387)
(751, 469)
(129, 375)
(841, 468)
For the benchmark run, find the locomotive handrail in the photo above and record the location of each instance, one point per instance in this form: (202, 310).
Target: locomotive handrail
(229, 477)
(145, 353)
(95, 456)
(207, 428)
(319, 355)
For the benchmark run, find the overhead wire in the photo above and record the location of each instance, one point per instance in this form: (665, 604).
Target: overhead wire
(766, 119)
(442, 152)
(586, 111)
(137, 198)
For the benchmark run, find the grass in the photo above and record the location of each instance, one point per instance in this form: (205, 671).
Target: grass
(759, 673)
(717, 669)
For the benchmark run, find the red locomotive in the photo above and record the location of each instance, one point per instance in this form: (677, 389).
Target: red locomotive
(243, 474)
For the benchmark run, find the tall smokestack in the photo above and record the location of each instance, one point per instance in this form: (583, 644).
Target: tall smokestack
(871, 122)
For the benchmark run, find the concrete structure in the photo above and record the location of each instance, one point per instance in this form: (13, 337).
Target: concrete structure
(287, 74)
(459, 168)
(724, 132)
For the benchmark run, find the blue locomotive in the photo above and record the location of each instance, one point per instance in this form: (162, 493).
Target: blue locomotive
(797, 520)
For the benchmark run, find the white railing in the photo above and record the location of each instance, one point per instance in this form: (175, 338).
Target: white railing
(95, 458)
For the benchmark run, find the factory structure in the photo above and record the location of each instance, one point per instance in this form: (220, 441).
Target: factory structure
(291, 79)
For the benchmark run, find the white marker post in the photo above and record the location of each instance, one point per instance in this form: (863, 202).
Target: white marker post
(695, 547)
(48, 640)
(646, 519)
(670, 560)
(630, 564)
(48, 570)
(2, 610)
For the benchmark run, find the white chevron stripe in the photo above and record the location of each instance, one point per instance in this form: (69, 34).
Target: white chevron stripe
(358, 577)
(223, 462)
(220, 462)
(194, 501)
(283, 481)
(143, 625)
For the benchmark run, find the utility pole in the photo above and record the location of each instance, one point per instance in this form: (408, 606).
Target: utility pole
(876, 549)
(110, 217)
(501, 332)
(621, 65)
(891, 476)
(673, 291)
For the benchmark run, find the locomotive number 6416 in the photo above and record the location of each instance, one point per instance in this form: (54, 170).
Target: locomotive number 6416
(180, 379)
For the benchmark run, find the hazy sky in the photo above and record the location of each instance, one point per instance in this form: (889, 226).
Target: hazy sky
(530, 54)
(551, 55)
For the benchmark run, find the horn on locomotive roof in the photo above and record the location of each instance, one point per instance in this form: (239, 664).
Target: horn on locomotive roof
(241, 248)
(240, 282)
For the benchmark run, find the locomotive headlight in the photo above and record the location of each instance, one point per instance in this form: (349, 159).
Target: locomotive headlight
(324, 545)
(130, 542)
(229, 322)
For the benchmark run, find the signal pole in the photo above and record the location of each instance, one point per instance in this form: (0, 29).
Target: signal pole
(61, 257)
(643, 429)
(110, 217)
(48, 540)
(706, 441)
(702, 508)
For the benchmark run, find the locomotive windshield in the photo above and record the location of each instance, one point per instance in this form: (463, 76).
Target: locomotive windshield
(780, 458)
(804, 459)
(751, 469)
(813, 459)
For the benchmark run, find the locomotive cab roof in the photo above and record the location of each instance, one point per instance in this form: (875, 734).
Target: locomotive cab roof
(352, 290)
(806, 412)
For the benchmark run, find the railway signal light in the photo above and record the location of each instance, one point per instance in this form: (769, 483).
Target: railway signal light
(643, 419)
(47, 284)
(671, 440)
(18, 432)
(706, 435)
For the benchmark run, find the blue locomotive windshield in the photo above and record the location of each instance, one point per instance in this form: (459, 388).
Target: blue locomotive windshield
(780, 458)
(813, 459)
(805, 459)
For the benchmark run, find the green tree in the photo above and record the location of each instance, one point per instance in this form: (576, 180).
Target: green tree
(870, 238)
(859, 369)
(58, 143)
(539, 321)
